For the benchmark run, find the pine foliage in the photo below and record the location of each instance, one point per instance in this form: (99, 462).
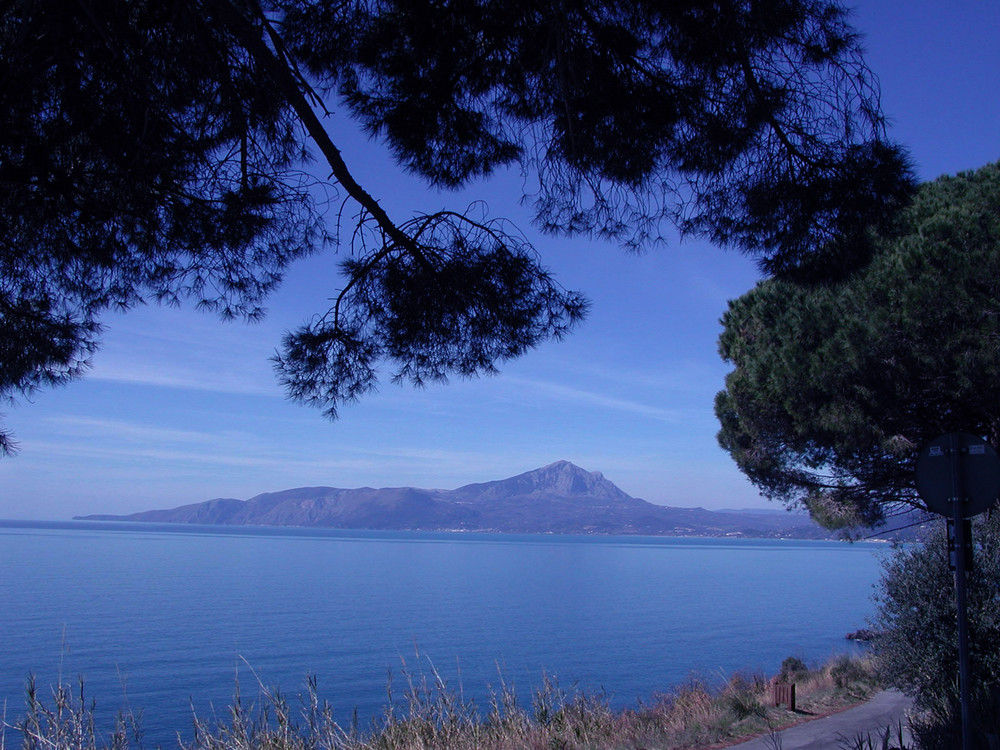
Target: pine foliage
(162, 151)
(836, 387)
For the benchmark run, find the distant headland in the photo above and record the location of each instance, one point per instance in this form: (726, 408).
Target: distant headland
(559, 498)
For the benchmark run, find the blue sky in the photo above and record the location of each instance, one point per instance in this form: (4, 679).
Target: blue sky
(181, 408)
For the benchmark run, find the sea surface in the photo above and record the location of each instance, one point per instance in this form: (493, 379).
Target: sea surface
(165, 620)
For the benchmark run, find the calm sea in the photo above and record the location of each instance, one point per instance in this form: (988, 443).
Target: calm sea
(166, 618)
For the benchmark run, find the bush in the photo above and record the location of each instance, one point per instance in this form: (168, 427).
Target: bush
(744, 704)
(847, 672)
(792, 669)
(916, 631)
(742, 695)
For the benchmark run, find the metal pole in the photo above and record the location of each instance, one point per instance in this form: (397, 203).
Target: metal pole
(958, 499)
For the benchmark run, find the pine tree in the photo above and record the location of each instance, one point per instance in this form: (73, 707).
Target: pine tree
(161, 150)
(836, 387)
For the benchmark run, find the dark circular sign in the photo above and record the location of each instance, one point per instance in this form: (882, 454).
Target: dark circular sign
(958, 464)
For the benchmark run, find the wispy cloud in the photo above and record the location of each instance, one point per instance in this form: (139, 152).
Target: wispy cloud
(222, 455)
(184, 349)
(685, 377)
(110, 438)
(597, 400)
(99, 441)
(174, 376)
(132, 432)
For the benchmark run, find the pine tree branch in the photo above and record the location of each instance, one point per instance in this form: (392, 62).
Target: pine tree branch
(291, 86)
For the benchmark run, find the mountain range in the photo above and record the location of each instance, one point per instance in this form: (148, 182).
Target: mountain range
(559, 498)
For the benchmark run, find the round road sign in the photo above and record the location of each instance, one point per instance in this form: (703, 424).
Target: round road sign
(974, 474)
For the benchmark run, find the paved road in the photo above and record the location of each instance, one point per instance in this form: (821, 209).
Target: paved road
(830, 732)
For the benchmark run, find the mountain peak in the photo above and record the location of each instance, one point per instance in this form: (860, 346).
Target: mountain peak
(561, 478)
(564, 465)
(567, 478)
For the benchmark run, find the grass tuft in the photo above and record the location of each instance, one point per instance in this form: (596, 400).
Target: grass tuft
(432, 715)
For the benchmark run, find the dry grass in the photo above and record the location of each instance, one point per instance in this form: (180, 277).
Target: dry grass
(431, 715)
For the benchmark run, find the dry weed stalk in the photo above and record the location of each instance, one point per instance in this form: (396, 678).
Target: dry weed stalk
(431, 715)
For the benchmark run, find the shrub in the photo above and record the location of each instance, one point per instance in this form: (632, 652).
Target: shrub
(743, 694)
(792, 669)
(916, 633)
(744, 704)
(847, 672)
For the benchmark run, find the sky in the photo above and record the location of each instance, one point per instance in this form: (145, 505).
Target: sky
(180, 407)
